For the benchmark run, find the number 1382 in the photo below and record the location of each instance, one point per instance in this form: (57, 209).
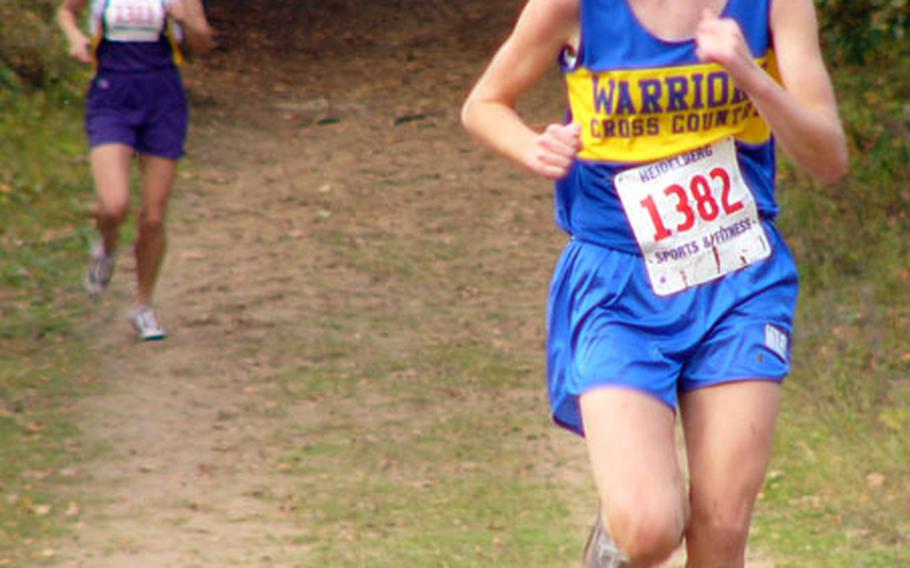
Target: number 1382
(696, 202)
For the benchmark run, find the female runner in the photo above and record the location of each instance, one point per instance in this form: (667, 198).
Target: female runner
(136, 106)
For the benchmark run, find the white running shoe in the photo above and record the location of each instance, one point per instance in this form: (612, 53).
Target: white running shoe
(601, 551)
(99, 270)
(146, 324)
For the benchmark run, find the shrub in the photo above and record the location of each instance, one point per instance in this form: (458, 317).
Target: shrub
(31, 46)
(856, 32)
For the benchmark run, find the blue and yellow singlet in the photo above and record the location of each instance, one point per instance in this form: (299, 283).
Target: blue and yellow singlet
(640, 99)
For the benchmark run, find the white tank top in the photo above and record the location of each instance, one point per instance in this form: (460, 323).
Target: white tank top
(135, 21)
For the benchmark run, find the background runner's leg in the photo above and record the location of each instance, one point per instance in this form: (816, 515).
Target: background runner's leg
(157, 181)
(111, 174)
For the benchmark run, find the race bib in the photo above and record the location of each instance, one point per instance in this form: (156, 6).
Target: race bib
(693, 216)
(134, 20)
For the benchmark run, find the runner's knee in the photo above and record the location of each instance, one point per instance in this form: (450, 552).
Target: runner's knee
(727, 527)
(150, 224)
(112, 210)
(647, 530)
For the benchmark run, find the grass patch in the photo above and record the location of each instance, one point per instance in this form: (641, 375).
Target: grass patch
(441, 479)
(839, 490)
(44, 360)
(422, 456)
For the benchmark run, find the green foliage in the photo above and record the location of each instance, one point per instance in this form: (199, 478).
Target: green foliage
(859, 225)
(42, 150)
(861, 31)
(32, 53)
(44, 361)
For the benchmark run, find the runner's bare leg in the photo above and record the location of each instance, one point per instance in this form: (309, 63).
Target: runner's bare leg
(729, 430)
(157, 183)
(111, 174)
(632, 448)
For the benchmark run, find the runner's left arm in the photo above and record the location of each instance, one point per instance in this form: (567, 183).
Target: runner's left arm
(802, 112)
(198, 34)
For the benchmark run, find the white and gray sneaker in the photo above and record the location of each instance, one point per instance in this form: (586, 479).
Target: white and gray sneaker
(601, 551)
(146, 324)
(99, 270)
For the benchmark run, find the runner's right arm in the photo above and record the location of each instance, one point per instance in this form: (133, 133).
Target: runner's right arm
(544, 29)
(68, 20)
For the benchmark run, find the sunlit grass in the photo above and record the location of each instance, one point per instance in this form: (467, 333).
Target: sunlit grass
(839, 491)
(44, 365)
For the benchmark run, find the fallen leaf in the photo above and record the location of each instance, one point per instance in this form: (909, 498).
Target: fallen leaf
(875, 479)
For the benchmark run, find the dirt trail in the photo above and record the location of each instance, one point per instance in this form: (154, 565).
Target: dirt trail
(315, 122)
(325, 142)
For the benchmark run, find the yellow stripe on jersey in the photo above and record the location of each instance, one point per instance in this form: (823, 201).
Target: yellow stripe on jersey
(97, 38)
(640, 115)
(179, 58)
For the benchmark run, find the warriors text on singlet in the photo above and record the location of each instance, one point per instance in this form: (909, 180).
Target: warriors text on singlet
(642, 100)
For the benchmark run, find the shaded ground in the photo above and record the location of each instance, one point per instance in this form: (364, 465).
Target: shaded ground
(331, 218)
(347, 272)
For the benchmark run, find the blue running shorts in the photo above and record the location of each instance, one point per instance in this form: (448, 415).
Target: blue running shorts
(606, 327)
(145, 110)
